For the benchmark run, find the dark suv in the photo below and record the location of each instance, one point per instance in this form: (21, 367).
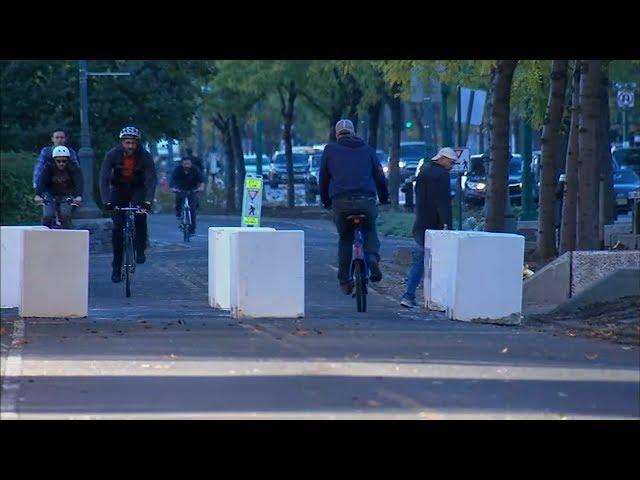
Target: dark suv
(278, 172)
(476, 182)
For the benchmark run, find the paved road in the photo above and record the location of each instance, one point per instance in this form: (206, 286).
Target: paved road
(164, 353)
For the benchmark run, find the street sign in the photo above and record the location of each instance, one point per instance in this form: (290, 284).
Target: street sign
(464, 155)
(252, 200)
(625, 99)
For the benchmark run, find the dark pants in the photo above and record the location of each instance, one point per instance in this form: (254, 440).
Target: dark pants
(193, 203)
(354, 205)
(121, 198)
(64, 210)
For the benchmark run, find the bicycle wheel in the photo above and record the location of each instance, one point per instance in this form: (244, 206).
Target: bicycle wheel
(186, 223)
(128, 262)
(361, 292)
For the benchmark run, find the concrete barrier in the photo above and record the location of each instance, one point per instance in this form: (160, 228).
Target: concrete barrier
(219, 264)
(267, 274)
(475, 275)
(55, 273)
(10, 264)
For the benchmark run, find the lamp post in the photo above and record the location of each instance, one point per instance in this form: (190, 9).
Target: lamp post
(89, 209)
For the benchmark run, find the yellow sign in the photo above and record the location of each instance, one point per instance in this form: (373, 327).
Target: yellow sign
(254, 183)
(251, 220)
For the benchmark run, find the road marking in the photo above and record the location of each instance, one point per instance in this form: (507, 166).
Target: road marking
(12, 373)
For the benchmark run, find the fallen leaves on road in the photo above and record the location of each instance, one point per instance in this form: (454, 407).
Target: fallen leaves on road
(626, 348)
(301, 332)
(562, 394)
(504, 350)
(21, 341)
(317, 331)
(2, 330)
(374, 403)
(591, 357)
(181, 322)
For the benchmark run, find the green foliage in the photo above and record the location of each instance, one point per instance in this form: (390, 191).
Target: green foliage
(16, 191)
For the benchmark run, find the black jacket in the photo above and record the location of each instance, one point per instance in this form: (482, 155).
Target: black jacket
(186, 181)
(433, 200)
(44, 184)
(144, 175)
(350, 166)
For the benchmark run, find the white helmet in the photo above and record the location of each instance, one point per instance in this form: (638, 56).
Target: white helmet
(61, 151)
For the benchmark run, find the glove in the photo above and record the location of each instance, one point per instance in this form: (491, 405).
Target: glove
(108, 207)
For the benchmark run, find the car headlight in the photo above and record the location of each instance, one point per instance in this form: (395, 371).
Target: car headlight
(401, 164)
(385, 169)
(481, 185)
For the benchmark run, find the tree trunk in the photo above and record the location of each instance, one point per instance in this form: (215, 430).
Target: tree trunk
(236, 140)
(607, 194)
(374, 123)
(287, 116)
(590, 73)
(498, 178)
(568, 227)
(546, 245)
(222, 124)
(396, 126)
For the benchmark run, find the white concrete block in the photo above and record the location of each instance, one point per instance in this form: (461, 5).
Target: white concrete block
(219, 263)
(10, 259)
(439, 270)
(55, 273)
(267, 274)
(487, 280)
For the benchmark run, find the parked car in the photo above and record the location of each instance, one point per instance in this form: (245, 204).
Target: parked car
(311, 187)
(624, 158)
(624, 181)
(278, 170)
(250, 164)
(476, 179)
(410, 155)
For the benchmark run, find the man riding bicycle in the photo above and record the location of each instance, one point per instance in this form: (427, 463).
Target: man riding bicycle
(184, 180)
(350, 177)
(60, 178)
(127, 175)
(58, 139)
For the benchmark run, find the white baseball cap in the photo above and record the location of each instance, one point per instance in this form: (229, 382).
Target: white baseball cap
(446, 152)
(60, 151)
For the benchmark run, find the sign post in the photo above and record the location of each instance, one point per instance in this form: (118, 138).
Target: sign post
(460, 168)
(252, 200)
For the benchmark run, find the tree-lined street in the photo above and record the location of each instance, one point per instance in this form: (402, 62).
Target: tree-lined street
(164, 353)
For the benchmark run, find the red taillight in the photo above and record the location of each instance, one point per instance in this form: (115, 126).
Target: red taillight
(356, 221)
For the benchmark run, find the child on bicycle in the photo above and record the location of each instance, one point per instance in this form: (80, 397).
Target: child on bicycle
(186, 178)
(60, 183)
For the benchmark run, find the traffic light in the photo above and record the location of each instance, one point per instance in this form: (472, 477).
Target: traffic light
(408, 124)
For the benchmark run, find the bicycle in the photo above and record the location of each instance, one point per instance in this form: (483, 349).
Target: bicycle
(185, 222)
(359, 271)
(48, 199)
(129, 251)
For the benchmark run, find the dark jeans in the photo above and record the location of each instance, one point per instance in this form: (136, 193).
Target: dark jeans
(416, 272)
(64, 213)
(121, 198)
(354, 205)
(193, 203)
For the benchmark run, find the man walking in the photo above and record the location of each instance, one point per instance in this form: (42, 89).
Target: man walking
(128, 174)
(433, 212)
(350, 177)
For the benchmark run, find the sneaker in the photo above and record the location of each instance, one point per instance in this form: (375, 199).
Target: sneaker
(408, 303)
(116, 275)
(376, 274)
(140, 258)
(347, 288)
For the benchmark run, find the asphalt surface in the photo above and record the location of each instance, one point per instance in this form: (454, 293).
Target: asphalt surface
(164, 353)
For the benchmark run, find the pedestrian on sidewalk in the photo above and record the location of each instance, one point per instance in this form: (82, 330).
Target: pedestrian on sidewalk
(433, 212)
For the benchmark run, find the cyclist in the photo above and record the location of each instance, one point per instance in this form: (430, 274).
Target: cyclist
(128, 174)
(350, 177)
(186, 178)
(58, 138)
(59, 178)
(195, 161)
